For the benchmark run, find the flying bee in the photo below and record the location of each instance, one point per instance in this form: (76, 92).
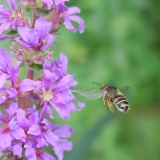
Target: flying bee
(110, 95)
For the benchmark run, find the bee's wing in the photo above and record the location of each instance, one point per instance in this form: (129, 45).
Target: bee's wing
(89, 93)
(125, 89)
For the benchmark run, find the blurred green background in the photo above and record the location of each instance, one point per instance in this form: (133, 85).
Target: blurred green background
(121, 42)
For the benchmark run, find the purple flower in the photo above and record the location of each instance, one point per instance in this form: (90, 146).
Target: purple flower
(63, 144)
(11, 19)
(10, 129)
(40, 133)
(59, 67)
(50, 3)
(7, 70)
(69, 14)
(34, 153)
(35, 130)
(6, 93)
(37, 38)
(59, 96)
(54, 89)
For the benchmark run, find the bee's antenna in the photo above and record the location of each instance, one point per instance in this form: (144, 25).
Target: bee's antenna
(96, 83)
(110, 81)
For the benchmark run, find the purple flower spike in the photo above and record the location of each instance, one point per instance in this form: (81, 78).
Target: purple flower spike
(37, 38)
(27, 99)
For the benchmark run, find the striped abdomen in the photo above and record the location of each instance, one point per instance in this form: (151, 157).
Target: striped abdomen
(121, 103)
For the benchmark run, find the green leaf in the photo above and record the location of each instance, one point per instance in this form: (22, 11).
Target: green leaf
(36, 67)
(11, 32)
(42, 11)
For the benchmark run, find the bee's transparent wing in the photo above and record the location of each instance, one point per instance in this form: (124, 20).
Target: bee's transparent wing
(89, 93)
(125, 89)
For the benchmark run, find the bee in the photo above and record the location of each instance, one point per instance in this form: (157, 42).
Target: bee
(110, 95)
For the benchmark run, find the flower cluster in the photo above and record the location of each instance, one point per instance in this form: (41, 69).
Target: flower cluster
(24, 129)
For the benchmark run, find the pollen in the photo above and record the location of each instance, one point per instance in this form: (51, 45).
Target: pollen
(4, 97)
(47, 95)
(25, 146)
(57, 109)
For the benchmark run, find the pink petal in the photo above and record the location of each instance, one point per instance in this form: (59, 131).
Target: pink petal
(4, 26)
(2, 79)
(12, 3)
(19, 134)
(62, 131)
(5, 139)
(34, 130)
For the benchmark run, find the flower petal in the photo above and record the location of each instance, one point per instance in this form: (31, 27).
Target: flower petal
(50, 137)
(22, 120)
(27, 85)
(61, 146)
(5, 26)
(34, 130)
(30, 153)
(11, 110)
(79, 21)
(50, 39)
(17, 149)
(19, 134)
(43, 26)
(5, 139)
(41, 142)
(12, 4)
(46, 156)
(2, 79)
(63, 83)
(73, 10)
(57, 2)
(62, 131)
(24, 32)
(69, 25)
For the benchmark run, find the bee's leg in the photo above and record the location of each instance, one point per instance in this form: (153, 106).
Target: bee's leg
(110, 104)
(106, 104)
